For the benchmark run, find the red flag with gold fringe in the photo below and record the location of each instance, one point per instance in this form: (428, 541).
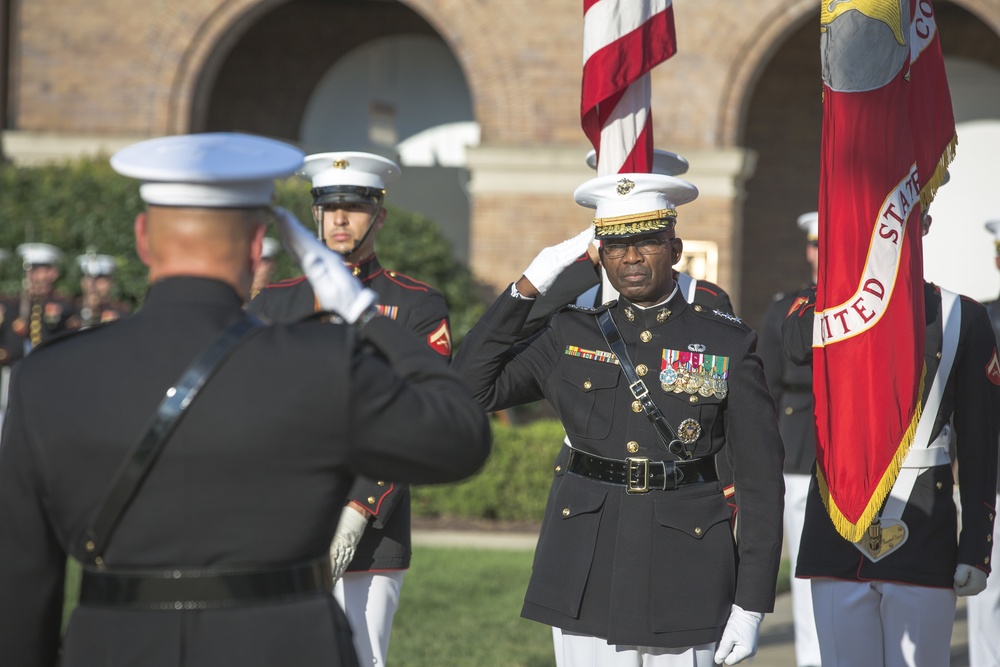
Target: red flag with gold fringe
(884, 138)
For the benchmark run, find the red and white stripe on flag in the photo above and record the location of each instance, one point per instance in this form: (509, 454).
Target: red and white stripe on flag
(622, 41)
(868, 336)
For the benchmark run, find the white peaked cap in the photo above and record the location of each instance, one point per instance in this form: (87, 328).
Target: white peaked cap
(628, 204)
(39, 253)
(271, 248)
(809, 223)
(96, 265)
(210, 170)
(353, 168)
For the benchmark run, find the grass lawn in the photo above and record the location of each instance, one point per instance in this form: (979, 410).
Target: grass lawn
(461, 607)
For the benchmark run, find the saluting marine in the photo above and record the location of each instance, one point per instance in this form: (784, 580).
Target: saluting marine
(636, 561)
(372, 547)
(167, 455)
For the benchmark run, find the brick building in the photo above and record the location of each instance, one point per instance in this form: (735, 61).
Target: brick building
(478, 98)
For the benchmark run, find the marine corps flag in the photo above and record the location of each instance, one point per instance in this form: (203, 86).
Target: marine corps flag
(622, 41)
(886, 138)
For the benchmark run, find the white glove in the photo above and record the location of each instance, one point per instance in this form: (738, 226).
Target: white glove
(350, 528)
(551, 261)
(969, 580)
(739, 639)
(336, 289)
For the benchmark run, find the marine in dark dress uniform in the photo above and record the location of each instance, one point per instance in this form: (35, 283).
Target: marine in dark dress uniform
(984, 609)
(791, 388)
(40, 313)
(348, 195)
(897, 607)
(636, 561)
(97, 275)
(222, 555)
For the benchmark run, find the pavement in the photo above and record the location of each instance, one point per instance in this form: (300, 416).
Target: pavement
(776, 644)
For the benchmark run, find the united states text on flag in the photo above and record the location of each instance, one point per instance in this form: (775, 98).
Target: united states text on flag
(882, 145)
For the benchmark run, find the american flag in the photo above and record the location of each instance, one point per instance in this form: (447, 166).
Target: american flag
(622, 41)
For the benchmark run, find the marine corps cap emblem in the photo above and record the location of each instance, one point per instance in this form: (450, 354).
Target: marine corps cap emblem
(625, 186)
(341, 164)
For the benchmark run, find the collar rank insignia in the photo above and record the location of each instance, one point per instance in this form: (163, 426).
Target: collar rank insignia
(727, 316)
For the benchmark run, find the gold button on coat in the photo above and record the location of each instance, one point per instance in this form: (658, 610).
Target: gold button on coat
(693, 399)
(636, 406)
(565, 511)
(645, 336)
(697, 531)
(381, 483)
(371, 500)
(789, 411)
(632, 446)
(642, 369)
(587, 384)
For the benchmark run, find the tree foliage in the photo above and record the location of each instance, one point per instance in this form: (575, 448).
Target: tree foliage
(82, 204)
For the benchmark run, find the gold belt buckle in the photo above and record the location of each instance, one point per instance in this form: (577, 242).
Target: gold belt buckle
(638, 475)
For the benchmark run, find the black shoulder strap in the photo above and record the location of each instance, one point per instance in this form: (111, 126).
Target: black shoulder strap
(638, 387)
(143, 454)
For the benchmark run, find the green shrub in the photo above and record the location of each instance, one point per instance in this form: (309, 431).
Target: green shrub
(84, 203)
(513, 485)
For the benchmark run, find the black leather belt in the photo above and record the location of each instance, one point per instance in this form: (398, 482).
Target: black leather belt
(204, 588)
(641, 475)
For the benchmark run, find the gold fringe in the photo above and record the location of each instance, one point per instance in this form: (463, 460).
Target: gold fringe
(930, 188)
(852, 531)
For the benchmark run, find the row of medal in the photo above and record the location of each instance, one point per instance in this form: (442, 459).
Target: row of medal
(694, 373)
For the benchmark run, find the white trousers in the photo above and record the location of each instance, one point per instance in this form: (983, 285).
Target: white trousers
(575, 650)
(875, 624)
(984, 615)
(806, 641)
(370, 600)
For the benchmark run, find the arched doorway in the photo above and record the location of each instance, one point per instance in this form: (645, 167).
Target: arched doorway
(783, 126)
(406, 98)
(350, 75)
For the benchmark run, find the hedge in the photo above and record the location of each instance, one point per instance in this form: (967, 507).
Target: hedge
(512, 486)
(82, 204)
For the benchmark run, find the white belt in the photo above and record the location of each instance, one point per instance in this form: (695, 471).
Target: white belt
(920, 457)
